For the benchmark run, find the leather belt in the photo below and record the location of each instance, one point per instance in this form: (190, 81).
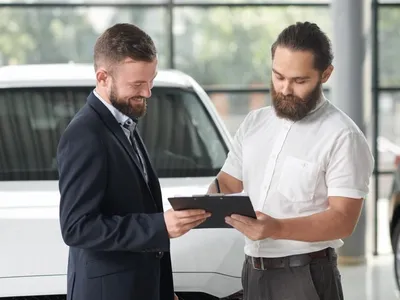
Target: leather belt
(263, 263)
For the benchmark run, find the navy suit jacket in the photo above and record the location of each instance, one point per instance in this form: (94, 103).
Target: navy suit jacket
(110, 218)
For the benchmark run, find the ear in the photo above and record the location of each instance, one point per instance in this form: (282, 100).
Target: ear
(326, 74)
(102, 77)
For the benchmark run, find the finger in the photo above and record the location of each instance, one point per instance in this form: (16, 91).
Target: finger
(237, 225)
(189, 213)
(189, 220)
(246, 230)
(192, 225)
(243, 219)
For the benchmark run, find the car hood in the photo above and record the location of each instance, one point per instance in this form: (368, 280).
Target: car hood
(40, 199)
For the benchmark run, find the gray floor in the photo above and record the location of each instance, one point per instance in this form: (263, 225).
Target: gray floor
(373, 281)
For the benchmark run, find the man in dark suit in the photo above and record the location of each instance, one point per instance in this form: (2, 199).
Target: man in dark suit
(111, 211)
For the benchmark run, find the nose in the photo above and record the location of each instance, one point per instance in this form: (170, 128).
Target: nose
(287, 88)
(146, 92)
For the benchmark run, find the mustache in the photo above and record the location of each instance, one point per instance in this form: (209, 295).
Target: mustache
(289, 98)
(141, 98)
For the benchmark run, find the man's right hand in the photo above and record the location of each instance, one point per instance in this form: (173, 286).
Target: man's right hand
(180, 222)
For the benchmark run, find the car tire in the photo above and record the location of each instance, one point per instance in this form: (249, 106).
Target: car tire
(396, 252)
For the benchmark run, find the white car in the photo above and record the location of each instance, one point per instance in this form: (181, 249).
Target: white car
(187, 142)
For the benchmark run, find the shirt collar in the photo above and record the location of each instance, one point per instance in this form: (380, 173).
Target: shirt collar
(119, 116)
(322, 100)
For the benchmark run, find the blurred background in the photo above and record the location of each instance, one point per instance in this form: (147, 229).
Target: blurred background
(225, 46)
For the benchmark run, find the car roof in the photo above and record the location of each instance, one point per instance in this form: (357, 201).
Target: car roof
(77, 75)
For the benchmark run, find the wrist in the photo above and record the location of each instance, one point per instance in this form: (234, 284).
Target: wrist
(279, 230)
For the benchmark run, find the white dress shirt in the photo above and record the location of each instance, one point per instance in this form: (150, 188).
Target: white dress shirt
(289, 169)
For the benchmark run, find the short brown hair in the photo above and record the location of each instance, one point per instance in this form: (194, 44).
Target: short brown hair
(306, 37)
(123, 41)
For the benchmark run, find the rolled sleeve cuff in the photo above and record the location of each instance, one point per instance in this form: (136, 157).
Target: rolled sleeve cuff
(231, 170)
(348, 193)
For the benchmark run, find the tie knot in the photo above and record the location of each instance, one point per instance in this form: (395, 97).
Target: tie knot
(130, 125)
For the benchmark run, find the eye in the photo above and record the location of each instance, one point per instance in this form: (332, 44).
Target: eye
(279, 77)
(300, 80)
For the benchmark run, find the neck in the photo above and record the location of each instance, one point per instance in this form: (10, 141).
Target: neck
(102, 93)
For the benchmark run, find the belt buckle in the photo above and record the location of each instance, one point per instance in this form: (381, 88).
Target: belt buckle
(255, 265)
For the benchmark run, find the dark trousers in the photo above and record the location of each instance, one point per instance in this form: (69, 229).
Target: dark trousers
(317, 279)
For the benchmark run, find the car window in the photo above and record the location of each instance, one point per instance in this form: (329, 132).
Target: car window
(178, 132)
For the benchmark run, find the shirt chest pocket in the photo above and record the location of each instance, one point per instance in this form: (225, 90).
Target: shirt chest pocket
(298, 179)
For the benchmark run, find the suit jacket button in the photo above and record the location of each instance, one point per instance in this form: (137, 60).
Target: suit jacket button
(159, 254)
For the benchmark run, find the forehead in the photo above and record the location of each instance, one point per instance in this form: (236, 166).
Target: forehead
(293, 63)
(137, 70)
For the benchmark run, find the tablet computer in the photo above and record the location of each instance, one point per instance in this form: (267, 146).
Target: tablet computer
(220, 206)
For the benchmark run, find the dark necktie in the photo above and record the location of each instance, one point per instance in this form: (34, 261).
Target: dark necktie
(131, 126)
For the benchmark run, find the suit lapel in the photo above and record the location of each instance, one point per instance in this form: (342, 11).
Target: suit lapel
(153, 180)
(115, 128)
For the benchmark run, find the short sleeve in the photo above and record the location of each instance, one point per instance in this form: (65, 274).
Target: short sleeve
(350, 167)
(233, 162)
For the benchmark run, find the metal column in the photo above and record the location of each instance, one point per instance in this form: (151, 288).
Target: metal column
(348, 93)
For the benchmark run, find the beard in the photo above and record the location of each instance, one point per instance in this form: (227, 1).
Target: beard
(128, 107)
(292, 107)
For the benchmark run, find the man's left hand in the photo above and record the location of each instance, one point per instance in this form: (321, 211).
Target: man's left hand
(176, 297)
(255, 229)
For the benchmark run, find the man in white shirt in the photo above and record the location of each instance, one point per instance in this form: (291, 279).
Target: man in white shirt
(306, 167)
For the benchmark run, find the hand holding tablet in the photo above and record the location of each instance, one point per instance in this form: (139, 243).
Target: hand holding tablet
(219, 205)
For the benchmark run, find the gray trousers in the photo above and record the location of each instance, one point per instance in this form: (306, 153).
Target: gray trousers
(317, 280)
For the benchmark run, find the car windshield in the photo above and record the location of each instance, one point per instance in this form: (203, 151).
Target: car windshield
(180, 136)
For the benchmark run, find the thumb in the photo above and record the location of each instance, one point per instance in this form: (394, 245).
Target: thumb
(260, 215)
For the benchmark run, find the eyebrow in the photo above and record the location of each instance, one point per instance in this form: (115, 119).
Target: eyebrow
(144, 81)
(298, 77)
